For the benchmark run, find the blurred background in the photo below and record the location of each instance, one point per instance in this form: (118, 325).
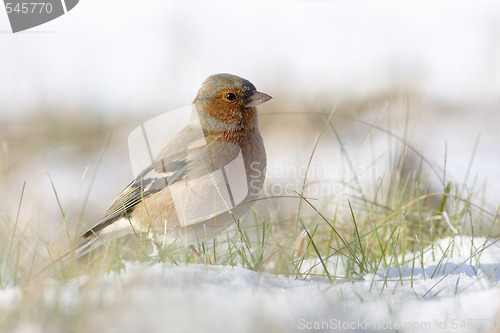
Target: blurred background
(387, 74)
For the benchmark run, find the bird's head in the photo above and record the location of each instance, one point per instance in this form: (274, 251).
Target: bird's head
(227, 102)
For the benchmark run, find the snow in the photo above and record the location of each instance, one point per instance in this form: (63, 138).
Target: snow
(124, 61)
(117, 58)
(456, 291)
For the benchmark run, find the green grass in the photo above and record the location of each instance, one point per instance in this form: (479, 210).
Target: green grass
(393, 223)
(366, 233)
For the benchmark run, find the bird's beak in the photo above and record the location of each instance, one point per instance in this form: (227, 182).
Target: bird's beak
(257, 98)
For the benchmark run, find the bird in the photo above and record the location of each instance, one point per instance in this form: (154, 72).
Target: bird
(202, 181)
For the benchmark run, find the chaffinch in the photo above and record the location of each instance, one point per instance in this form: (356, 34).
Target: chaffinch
(202, 180)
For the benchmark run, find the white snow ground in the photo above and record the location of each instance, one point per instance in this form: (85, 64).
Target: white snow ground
(457, 291)
(114, 55)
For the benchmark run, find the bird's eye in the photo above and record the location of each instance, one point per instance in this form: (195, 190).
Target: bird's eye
(230, 97)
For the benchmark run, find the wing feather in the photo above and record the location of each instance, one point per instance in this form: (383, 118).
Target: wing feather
(167, 169)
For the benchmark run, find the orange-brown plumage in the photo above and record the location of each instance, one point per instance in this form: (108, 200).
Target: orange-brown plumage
(226, 125)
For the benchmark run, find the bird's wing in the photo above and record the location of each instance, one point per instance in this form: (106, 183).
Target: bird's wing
(191, 159)
(153, 179)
